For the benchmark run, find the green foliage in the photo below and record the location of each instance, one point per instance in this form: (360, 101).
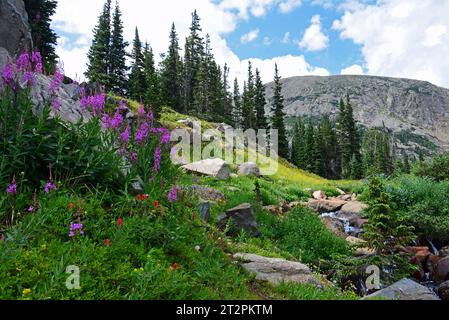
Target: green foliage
(137, 81)
(386, 230)
(424, 203)
(436, 168)
(117, 55)
(303, 235)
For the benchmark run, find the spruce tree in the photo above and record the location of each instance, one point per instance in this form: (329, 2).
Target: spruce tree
(309, 145)
(226, 95)
(137, 81)
(296, 145)
(152, 96)
(330, 152)
(171, 74)
(277, 121)
(249, 116)
(318, 152)
(117, 62)
(237, 106)
(99, 52)
(259, 103)
(193, 59)
(44, 38)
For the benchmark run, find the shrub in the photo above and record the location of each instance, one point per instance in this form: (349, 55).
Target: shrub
(436, 168)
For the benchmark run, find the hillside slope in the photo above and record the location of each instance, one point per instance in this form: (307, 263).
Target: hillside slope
(416, 111)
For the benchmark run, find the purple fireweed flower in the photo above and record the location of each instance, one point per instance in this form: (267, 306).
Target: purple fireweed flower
(56, 83)
(165, 135)
(117, 121)
(31, 209)
(49, 186)
(28, 78)
(36, 58)
(157, 159)
(141, 111)
(142, 133)
(122, 105)
(126, 135)
(106, 120)
(23, 62)
(98, 103)
(8, 74)
(74, 227)
(133, 157)
(56, 104)
(173, 194)
(12, 188)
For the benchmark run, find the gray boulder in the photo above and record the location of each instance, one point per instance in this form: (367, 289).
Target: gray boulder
(325, 206)
(4, 58)
(70, 109)
(216, 168)
(277, 271)
(405, 289)
(205, 211)
(15, 31)
(208, 193)
(249, 168)
(242, 218)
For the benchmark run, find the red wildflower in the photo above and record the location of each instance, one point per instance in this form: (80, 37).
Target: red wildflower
(142, 197)
(107, 242)
(156, 204)
(175, 266)
(120, 222)
(71, 205)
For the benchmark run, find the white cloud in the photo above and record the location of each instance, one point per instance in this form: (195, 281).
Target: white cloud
(267, 41)
(289, 5)
(250, 36)
(353, 70)
(286, 39)
(401, 38)
(314, 39)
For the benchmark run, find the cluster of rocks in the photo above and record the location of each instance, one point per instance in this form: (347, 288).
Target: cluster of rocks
(218, 168)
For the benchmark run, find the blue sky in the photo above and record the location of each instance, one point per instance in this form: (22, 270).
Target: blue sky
(398, 38)
(337, 56)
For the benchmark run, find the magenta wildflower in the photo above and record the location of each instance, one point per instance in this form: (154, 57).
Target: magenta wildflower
(31, 209)
(74, 227)
(96, 103)
(28, 78)
(126, 135)
(56, 104)
(117, 121)
(157, 159)
(122, 105)
(23, 62)
(141, 111)
(106, 120)
(8, 74)
(12, 188)
(56, 83)
(173, 194)
(133, 157)
(142, 133)
(49, 186)
(36, 58)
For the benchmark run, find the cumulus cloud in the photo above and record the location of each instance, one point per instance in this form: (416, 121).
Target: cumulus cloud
(250, 36)
(289, 5)
(314, 39)
(353, 70)
(401, 38)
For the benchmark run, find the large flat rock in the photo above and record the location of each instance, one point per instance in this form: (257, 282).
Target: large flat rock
(216, 168)
(277, 271)
(405, 289)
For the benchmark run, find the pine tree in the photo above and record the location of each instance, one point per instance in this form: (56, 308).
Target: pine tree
(309, 145)
(193, 58)
(330, 152)
(226, 95)
(137, 81)
(99, 52)
(318, 152)
(296, 144)
(249, 116)
(152, 96)
(277, 122)
(171, 74)
(259, 103)
(237, 106)
(117, 62)
(44, 38)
